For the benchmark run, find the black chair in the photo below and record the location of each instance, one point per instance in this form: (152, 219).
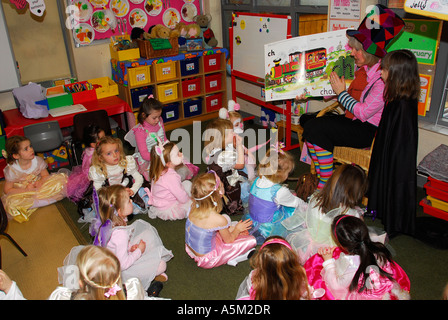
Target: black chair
(81, 121)
(46, 136)
(3, 226)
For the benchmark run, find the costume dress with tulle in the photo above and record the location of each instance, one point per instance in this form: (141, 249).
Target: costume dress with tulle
(78, 180)
(169, 197)
(234, 181)
(21, 205)
(336, 274)
(144, 137)
(310, 229)
(211, 249)
(269, 204)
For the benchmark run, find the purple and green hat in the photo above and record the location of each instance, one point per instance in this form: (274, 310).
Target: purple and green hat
(377, 30)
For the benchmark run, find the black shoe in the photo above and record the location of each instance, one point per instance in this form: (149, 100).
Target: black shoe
(155, 288)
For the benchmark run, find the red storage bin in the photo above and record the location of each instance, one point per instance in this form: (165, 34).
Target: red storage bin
(191, 87)
(435, 192)
(212, 62)
(213, 102)
(213, 82)
(428, 209)
(82, 95)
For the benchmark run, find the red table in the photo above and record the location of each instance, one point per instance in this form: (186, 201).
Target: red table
(15, 121)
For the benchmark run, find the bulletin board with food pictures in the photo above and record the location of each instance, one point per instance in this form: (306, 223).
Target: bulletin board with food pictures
(93, 20)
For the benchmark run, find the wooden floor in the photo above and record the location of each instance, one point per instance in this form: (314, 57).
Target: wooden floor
(47, 240)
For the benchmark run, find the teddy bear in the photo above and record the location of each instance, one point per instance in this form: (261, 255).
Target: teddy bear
(158, 31)
(203, 20)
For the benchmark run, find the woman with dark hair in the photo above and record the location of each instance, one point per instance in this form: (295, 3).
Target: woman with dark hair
(392, 174)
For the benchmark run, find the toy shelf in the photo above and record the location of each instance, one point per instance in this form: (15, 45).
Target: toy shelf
(191, 86)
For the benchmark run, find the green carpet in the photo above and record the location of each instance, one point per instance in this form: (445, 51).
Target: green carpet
(425, 265)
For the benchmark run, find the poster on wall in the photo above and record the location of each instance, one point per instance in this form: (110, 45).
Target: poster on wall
(101, 19)
(302, 65)
(421, 37)
(344, 14)
(423, 101)
(435, 9)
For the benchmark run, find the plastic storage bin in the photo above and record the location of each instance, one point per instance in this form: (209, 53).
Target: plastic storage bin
(165, 71)
(139, 76)
(167, 92)
(170, 112)
(189, 67)
(191, 87)
(213, 102)
(428, 209)
(192, 107)
(212, 62)
(120, 55)
(213, 83)
(82, 95)
(139, 94)
(104, 87)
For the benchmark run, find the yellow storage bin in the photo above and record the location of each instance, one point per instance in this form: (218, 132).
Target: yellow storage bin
(439, 204)
(167, 92)
(165, 71)
(121, 55)
(104, 87)
(139, 76)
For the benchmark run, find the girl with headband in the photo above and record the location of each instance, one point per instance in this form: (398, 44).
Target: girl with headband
(358, 269)
(211, 238)
(169, 198)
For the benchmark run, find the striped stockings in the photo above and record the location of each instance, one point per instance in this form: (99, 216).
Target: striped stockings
(323, 162)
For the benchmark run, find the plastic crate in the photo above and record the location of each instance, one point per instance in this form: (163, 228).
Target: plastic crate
(212, 62)
(439, 204)
(139, 94)
(192, 107)
(191, 87)
(80, 93)
(104, 87)
(61, 100)
(165, 70)
(170, 112)
(213, 82)
(189, 67)
(428, 209)
(121, 55)
(213, 102)
(435, 192)
(139, 76)
(167, 92)
(438, 184)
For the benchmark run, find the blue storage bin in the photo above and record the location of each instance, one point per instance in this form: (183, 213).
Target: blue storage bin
(189, 67)
(170, 112)
(139, 94)
(192, 107)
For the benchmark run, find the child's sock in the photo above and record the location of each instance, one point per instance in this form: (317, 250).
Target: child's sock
(325, 159)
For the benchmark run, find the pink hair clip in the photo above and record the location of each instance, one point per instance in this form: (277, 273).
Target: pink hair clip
(112, 291)
(278, 147)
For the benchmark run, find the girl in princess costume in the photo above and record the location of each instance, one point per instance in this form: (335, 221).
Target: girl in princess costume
(110, 166)
(211, 238)
(309, 229)
(28, 184)
(270, 202)
(143, 137)
(358, 268)
(137, 246)
(78, 180)
(169, 198)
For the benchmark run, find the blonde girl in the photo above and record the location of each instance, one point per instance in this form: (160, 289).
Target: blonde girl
(225, 155)
(137, 246)
(211, 238)
(28, 184)
(110, 166)
(98, 276)
(169, 197)
(270, 202)
(276, 274)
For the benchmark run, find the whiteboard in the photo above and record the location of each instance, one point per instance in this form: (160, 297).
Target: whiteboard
(250, 32)
(9, 75)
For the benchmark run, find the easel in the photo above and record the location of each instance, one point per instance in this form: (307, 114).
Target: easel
(256, 79)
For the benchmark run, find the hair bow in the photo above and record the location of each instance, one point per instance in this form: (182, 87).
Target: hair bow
(112, 291)
(278, 147)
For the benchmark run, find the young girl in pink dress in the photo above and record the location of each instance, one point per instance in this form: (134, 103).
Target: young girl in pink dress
(145, 134)
(78, 180)
(169, 198)
(358, 269)
(211, 238)
(28, 184)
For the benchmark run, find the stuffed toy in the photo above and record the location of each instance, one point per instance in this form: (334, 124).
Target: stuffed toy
(203, 20)
(193, 31)
(158, 31)
(180, 31)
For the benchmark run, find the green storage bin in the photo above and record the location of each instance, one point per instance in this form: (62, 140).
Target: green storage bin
(60, 100)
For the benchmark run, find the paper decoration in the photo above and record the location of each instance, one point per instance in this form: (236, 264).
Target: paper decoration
(37, 7)
(434, 9)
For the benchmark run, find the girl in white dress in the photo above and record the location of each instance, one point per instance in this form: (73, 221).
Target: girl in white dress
(28, 184)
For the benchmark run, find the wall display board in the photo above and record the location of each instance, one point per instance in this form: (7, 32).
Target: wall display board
(101, 19)
(304, 64)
